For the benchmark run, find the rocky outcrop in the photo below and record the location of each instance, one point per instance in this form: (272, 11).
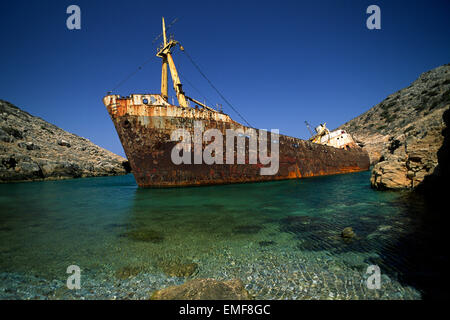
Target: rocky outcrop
(33, 149)
(409, 160)
(402, 134)
(204, 289)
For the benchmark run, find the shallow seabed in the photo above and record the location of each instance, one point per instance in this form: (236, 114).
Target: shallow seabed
(282, 239)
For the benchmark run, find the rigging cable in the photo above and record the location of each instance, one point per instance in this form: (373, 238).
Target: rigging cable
(131, 74)
(212, 85)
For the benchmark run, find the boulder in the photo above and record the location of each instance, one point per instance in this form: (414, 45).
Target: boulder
(390, 174)
(5, 137)
(64, 143)
(204, 289)
(61, 169)
(9, 162)
(407, 167)
(16, 133)
(28, 146)
(348, 233)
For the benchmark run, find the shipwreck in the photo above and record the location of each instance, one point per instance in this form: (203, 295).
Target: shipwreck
(145, 124)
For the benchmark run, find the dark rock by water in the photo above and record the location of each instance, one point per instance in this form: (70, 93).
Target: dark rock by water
(33, 149)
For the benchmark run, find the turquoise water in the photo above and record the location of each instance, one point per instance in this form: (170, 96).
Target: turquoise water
(282, 239)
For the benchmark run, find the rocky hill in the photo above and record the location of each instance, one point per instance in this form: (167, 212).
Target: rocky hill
(403, 133)
(33, 149)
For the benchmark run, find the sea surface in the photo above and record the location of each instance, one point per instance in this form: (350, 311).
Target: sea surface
(282, 239)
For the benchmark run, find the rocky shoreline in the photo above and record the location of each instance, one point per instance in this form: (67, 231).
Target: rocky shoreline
(403, 133)
(33, 149)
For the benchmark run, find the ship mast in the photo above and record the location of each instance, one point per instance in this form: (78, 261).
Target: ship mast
(164, 83)
(166, 56)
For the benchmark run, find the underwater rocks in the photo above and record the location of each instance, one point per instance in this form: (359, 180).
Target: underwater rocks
(33, 149)
(266, 243)
(129, 271)
(177, 268)
(348, 233)
(204, 289)
(300, 224)
(145, 235)
(402, 134)
(247, 229)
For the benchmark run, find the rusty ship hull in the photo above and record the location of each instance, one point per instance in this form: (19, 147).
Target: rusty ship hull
(144, 124)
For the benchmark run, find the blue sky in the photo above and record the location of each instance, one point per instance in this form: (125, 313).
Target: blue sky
(278, 62)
